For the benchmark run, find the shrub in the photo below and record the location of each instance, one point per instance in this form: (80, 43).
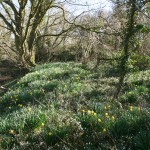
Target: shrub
(141, 62)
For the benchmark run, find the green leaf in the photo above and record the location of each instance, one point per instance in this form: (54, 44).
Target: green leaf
(145, 29)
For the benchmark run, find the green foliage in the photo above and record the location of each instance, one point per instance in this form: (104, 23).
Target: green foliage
(69, 106)
(145, 29)
(140, 62)
(137, 95)
(142, 141)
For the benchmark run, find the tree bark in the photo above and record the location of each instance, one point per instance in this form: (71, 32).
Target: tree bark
(129, 33)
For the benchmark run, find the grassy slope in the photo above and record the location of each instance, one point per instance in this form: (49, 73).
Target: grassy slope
(69, 106)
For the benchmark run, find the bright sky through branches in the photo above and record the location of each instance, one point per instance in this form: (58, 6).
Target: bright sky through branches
(78, 6)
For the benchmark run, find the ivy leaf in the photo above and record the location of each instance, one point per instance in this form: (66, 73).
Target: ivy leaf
(145, 29)
(139, 26)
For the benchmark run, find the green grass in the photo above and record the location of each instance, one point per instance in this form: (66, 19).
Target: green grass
(70, 106)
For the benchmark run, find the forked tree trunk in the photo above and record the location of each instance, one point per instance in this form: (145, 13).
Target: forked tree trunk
(24, 26)
(27, 60)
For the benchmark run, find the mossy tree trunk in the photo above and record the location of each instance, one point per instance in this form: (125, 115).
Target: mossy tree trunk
(129, 35)
(24, 26)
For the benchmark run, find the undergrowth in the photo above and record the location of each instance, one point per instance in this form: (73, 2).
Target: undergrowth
(70, 106)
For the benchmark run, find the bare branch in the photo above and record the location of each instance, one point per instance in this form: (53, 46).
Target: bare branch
(12, 6)
(10, 47)
(7, 23)
(6, 10)
(63, 31)
(5, 27)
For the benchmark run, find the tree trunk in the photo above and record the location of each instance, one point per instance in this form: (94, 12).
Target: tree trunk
(27, 60)
(129, 33)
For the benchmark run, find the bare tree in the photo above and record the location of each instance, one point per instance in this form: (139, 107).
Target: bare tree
(23, 19)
